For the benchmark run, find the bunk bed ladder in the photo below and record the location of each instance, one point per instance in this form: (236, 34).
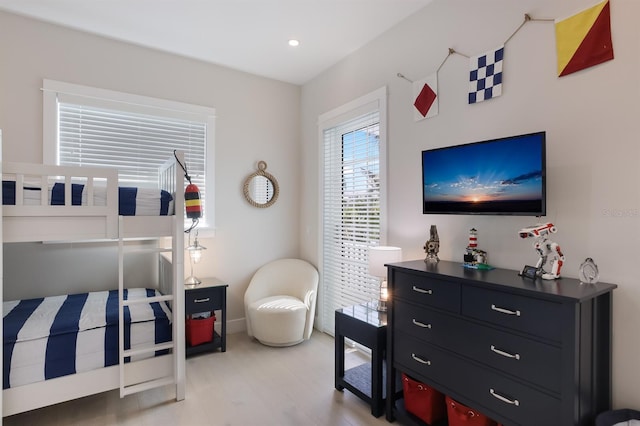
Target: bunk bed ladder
(129, 385)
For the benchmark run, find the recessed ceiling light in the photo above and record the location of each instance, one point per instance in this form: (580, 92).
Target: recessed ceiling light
(293, 42)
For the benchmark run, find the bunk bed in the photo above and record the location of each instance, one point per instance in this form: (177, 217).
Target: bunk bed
(47, 203)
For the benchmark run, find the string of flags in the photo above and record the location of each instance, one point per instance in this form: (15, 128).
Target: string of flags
(582, 41)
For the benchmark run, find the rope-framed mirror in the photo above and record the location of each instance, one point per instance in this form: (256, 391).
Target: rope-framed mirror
(261, 188)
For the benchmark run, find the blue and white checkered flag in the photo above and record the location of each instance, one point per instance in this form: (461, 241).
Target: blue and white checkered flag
(485, 78)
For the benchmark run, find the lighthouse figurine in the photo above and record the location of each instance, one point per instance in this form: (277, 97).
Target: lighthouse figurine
(475, 258)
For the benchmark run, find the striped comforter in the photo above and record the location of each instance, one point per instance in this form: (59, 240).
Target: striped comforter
(51, 337)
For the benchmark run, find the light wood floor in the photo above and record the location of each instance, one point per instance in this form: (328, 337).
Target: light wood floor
(249, 384)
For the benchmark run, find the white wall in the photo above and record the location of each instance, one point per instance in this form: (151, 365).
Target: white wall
(257, 119)
(591, 119)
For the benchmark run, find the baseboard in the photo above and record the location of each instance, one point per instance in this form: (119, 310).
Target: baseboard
(233, 326)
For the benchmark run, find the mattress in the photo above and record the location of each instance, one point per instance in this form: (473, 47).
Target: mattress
(132, 201)
(56, 336)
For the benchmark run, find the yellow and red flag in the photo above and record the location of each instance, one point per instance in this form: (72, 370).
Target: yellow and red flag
(584, 39)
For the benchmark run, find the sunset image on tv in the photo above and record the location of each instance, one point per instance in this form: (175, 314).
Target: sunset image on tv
(503, 176)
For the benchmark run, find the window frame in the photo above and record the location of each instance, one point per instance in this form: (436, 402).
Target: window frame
(132, 103)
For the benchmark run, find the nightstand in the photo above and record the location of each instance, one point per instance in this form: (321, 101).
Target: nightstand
(208, 296)
(367, 326)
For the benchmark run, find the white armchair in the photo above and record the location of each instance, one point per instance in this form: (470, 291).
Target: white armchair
(280, 302)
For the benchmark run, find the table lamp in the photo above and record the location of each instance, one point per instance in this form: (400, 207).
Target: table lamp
(378, 257)
(195, 254)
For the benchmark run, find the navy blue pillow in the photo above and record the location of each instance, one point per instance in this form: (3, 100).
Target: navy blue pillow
(57, 194)
(8, 192)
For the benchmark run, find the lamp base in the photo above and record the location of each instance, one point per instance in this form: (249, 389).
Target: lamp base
(192, 281)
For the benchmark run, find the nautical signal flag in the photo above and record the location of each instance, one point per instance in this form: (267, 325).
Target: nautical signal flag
(425, 93)
(584, 39)
(485, 75)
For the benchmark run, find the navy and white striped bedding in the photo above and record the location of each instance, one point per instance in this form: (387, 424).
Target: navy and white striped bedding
(56, 336)
(132, 201)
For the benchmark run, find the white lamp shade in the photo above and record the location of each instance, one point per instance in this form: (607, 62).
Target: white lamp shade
(379, 256)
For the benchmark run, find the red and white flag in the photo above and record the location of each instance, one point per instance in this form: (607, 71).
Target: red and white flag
(425, 95)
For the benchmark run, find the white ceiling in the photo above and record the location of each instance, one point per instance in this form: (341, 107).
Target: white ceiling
(248, 35)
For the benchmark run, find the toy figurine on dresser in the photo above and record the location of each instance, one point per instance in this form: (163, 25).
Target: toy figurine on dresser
(474, 258)
(432, 246)
(549, 251)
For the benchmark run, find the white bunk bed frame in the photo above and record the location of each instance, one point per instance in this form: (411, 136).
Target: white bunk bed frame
(22, 223)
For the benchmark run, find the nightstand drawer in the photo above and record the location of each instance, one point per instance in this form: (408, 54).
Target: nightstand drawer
(203, 300)
(526, 314)
(427, 290)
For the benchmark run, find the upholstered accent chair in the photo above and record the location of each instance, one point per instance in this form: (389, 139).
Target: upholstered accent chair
(280, 302)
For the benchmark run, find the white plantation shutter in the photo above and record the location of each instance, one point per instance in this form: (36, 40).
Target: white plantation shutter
(351, 212)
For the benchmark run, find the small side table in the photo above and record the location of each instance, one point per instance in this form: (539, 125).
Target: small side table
(208, 296)
(366, 325)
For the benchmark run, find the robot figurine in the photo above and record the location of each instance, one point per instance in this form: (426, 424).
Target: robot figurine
(432, 246)
(545, 248)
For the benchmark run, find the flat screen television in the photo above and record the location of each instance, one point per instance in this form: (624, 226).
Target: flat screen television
(503, 176)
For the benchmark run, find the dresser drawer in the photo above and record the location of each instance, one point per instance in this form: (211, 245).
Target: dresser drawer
(529, 359)
(427, 291)
(428, 325)
(529, 315)
(489, 391)
(421, 359)
(514, 400)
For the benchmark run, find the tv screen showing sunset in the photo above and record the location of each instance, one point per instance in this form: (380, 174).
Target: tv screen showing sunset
(499, 176)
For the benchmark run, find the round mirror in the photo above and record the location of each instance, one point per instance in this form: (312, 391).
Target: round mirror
(261, 188)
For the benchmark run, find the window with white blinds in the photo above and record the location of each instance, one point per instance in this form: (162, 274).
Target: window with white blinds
(351, 212)
(136, 144)
(133, 134)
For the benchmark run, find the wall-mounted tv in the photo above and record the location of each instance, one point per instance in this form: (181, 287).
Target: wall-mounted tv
(503, 176)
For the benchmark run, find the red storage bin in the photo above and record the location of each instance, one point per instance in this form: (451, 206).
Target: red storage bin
(199, 330)
(461, 415)
(423, 401)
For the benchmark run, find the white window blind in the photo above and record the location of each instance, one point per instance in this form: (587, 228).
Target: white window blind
(351, 213)
(137, 144)
(86, 126)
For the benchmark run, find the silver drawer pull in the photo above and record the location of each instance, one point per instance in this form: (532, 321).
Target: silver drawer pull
(505, 354)
(503, 399)
(420, 360)
(421, 290)
(505, 311)
(201, 300)
(421, 324)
